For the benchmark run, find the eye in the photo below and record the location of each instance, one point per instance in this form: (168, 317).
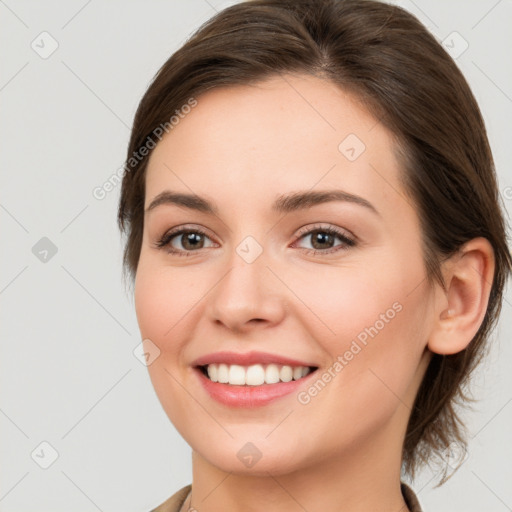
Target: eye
(322, 239)
(193, 239)
(190, 239)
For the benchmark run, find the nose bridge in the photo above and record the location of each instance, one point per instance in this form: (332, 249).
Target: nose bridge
(248, 290)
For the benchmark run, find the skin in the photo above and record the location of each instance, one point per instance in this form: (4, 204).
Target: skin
(241, 148)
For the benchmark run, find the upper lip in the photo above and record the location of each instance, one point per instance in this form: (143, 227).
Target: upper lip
(247, 359)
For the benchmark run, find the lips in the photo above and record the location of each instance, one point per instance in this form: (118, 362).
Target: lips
(256, 393)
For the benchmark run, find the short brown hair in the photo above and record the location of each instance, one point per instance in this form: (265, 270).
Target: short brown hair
(388, 60)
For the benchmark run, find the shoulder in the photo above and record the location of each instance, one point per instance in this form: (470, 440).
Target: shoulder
(410, 498)
(175, 502)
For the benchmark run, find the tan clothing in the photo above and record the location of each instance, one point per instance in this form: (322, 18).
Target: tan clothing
(175, 502)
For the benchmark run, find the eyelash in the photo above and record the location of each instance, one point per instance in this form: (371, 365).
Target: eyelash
(347, 242)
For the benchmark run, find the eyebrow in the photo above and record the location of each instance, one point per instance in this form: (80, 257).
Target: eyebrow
(283, 204)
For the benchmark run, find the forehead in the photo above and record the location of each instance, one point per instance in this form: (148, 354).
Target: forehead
(287, 132)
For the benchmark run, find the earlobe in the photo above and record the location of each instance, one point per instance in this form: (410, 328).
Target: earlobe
(461, 308)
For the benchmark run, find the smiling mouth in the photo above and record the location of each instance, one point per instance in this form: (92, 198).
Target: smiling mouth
(254, 375)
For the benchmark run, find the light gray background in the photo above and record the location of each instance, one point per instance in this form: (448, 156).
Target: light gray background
(68, 373)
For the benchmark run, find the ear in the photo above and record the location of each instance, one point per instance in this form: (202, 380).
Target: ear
(461, 308)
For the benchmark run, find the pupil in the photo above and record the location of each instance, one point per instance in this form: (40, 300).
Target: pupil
(321, 237)
(192, 239)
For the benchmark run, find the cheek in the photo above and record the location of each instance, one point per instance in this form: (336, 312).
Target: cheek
(372, 331)
(164, 306)
(370, 321)
(151, 306)
(168, 304)
(342, 301)
(163, 301)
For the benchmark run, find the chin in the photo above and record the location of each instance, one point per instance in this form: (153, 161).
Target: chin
(247, 458)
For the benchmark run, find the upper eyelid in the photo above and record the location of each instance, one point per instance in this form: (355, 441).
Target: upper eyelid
(303, 229)
(318, 227)
(178, 230)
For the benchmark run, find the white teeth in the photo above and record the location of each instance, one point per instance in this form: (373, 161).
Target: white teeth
(255, 375)
(223, 373)
(237, 374)
(212, 372)
(286, 373)
(272, 374)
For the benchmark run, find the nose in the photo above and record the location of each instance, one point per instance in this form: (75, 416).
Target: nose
(249, 296)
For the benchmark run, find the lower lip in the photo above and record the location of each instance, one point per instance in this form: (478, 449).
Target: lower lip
(249, 396)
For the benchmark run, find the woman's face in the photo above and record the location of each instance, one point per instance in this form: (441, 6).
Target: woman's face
(271, 279)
